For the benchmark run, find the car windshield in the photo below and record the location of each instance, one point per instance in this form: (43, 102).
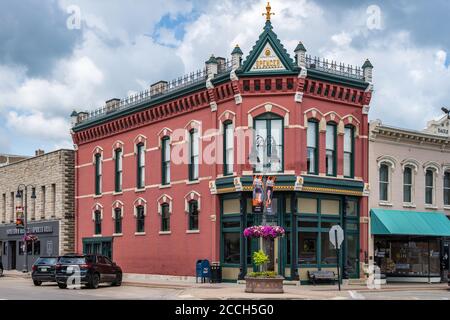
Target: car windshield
(72, 260)
(46, 261)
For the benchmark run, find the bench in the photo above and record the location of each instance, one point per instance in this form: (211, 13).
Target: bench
(315, 276)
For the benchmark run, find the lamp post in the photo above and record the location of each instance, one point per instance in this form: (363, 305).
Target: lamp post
(446, 111)
(22, 190)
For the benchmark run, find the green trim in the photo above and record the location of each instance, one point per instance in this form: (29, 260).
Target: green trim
(323, 182)
(98, 175)
(268, 117)
(226, 125)
(336, 79)
(268, 36)
(118, 174)
(164, 162)
(140, 167)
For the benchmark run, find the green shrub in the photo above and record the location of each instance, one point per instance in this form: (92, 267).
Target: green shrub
(260, 258)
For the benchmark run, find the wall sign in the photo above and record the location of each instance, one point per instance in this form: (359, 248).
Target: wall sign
(268, 60)
(33, 230)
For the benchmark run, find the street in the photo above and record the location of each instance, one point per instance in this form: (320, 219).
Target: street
(19, 288)
(12, 288)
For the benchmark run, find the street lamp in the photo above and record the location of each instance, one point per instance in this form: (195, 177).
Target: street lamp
(270, 156)
(446, 111)
(21, 190)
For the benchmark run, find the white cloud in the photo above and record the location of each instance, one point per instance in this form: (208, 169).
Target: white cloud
(39, 125)
(342, 39)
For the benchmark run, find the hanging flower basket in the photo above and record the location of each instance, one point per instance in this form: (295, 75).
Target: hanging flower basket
(266, 232)
(30, 237)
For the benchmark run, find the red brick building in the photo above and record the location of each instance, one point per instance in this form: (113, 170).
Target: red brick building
(164, 178)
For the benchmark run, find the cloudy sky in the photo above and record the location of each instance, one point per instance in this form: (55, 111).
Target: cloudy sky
(60, 55)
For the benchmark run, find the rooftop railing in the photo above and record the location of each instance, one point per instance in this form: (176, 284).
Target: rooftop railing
(334, 67)
(156, 91)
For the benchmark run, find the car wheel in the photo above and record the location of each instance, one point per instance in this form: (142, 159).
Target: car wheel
(118, 281)
(62, 285)
(94, 281)
(37, 283)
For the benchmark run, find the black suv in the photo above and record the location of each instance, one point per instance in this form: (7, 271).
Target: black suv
(93, 270)
(43, 270)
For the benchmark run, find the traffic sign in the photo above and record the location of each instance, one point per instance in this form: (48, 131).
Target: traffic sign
(336, 236)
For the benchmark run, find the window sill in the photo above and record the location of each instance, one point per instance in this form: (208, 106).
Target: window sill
(97, 236)
(192, 231)
(431, 207)
(117, 193)
(98, 196)
(165, 232)
(117, 234)
(139, 233)
(409, 205)
(165, 186)
(139, 190)
(193, 182)
(385, 204)
(446, 207)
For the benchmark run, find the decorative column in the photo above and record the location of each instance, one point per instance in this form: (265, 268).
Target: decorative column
(294, 267)
(243, 242)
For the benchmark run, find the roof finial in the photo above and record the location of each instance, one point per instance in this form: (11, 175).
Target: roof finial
(268, 12)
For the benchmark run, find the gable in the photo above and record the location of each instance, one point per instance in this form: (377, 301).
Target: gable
(268, 60)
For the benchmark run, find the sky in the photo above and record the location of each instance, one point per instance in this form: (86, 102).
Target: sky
(61, 55)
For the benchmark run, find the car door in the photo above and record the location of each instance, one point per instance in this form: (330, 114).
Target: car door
(109, 269)
(102, 269)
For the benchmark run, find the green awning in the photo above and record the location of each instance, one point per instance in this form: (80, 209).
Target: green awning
(394, 222)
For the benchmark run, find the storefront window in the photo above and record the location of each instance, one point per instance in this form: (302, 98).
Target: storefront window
(307, 248)
(327, 249)
(408, 258)
(231, 249)
(352, 209)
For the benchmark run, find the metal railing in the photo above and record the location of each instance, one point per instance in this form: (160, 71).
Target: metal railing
(156, 91)
(334, 67)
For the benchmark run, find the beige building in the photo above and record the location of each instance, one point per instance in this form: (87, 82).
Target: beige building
(50, 215)
(409, 173)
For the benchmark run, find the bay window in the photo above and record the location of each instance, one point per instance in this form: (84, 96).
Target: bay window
(268, 142)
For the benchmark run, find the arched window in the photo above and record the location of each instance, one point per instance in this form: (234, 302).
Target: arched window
(118, 153)
(165, 217)
(140, 219)
(268, 143)
(331, 149)
(140, 157)
(97, 222)
(165, 163)
(117, 220)
(408, 185)
(312, 147)
(98, 174)
(193, 215)
(429, 187)
(349, 145)
(447, 188)
(194, 154)
(384, 182)
(228, 147)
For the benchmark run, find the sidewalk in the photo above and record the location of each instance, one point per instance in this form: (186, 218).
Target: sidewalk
(190, 290)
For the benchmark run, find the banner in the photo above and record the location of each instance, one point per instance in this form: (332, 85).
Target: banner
(258, 194)
(270, 183)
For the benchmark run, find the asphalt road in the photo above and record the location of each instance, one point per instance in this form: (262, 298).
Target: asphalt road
(17, 288)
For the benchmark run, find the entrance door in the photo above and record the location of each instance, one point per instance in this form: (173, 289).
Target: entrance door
(12, 254)
(271, 249)
(351, 264)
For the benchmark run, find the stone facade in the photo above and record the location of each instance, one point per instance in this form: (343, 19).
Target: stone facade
(52, 175)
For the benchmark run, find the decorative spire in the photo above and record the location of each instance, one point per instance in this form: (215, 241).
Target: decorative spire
(237, 50)
(268, 12)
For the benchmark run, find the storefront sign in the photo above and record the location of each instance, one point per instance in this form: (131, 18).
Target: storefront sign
(268, 60)
(32, 230)
(257, 202)
(270, 183)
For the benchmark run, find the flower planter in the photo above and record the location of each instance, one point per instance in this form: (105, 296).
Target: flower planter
(264, 285)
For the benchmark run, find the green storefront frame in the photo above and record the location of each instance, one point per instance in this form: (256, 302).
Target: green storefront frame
(288, 245)
(100, 245)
